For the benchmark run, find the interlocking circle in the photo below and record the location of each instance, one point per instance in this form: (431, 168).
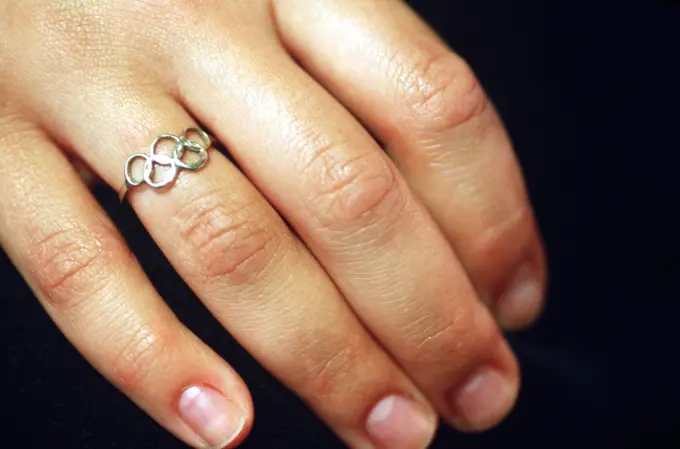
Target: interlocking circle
(174, 163)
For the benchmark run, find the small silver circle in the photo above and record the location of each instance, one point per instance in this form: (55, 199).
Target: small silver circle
(128, 169)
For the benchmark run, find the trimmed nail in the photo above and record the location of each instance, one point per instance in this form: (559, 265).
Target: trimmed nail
(484, 400)
(216, 419)
(399, 423)
(521, 303)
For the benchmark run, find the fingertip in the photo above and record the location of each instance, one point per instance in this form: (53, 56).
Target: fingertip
(488, 395)
(219, 420)
(484, 400)
(400, 423)
(521, 302)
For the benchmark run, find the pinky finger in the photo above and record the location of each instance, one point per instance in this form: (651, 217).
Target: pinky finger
(88, 281)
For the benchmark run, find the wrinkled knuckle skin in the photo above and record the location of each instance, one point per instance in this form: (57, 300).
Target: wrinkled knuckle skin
(141, 354)
(502, 240)
(325, 378)
(351, 193)
(340, 371)
(461, 342)
(236, 241)
(443, 92)
(323, 367)
(75, 263)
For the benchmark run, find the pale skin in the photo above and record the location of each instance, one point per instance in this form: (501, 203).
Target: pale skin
(354, 125)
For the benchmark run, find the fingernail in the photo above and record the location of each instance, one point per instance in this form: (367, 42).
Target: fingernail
(484, 400)
(399, 423)
(216, 419)
(521, 303)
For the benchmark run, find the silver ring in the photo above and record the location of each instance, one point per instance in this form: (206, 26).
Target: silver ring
(175, 163)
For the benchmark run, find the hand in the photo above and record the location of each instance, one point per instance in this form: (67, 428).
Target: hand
(379, 310)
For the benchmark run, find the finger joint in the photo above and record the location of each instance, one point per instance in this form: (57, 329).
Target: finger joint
(75, 262)
(141, 353)
(353, 192)
(443, 92)
(228, 239)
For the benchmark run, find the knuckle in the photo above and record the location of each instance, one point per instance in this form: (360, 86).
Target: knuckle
(443, 92)
(140, 354)
(352, 192)
(325, 378)
(329, 366)
(228, 240)
(463, 340)
(334, 368)
(502, 236)
(74, 263)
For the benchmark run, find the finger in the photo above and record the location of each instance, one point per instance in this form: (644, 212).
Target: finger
(337, 188)
(425, 104)
(88, 281)
(244, 263)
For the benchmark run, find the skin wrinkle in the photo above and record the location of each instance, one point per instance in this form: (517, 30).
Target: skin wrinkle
(106, 316)
(356, 197)
(55, 235)
(231, 239)
(143, 348)
(72, 248)
(433, 148)
(72, 264)
(254, 301)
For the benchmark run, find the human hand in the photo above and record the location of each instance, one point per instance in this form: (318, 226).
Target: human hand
(373, 310)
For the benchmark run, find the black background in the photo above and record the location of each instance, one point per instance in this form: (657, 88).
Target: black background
(589, 93)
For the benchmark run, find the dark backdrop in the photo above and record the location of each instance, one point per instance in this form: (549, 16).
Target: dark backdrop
(589, 95)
